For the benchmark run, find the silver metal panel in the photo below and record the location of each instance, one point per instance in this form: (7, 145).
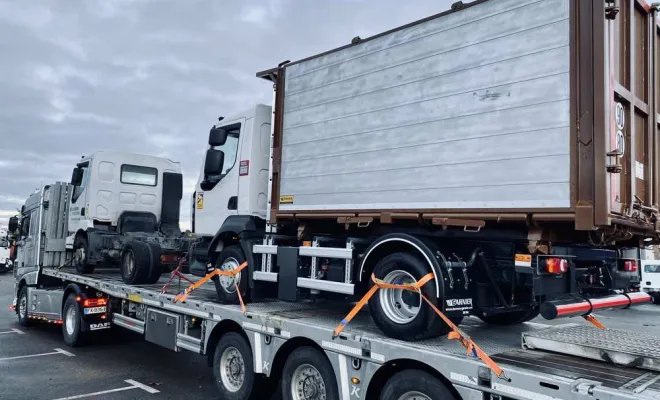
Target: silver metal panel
(128, 323)
(330, 252)
(328, 286)
(613, 345)
(264, 249)
(46, 302)
(468, 110)
(264, 276)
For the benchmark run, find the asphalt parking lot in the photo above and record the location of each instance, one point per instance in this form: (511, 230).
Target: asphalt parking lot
(36, 364)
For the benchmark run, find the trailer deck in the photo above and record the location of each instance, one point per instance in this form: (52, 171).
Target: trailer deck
(540, 361)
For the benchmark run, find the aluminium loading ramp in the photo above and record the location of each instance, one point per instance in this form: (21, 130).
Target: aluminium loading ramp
(615, 346)
(537, 374)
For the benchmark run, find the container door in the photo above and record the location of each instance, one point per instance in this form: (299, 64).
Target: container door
(631, 33)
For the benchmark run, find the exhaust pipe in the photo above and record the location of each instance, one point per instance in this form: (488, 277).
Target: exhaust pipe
(582, 307)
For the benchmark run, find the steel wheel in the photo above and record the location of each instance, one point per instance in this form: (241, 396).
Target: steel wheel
(232, 369)
(307, 384)
(229, 283)
(414, 396)
(400, 306)
(22, 307)
(129, 263)
(70, 320)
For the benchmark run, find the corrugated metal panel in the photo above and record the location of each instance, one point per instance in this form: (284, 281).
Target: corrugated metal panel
(469, 110)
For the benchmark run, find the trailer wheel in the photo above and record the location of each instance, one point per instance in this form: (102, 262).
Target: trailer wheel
(135, 262)
(233, 367)
(22, 307)
(156, 267)
(229, 259)
(415, 385)
(509, 318)
(81, 255)
(308, 374)
(72, 321)
(402, 314)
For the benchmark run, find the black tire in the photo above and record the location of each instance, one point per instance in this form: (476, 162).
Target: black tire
(411, 381)
(81, 255)
(509, 318)
(235, 347)
(655, 298)
(426, 323)
(156, 267)
(72, 322)
(23, 319)
(139, 254)
(309, 356)
(225, 286)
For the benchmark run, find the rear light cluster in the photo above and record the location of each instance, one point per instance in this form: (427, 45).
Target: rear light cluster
(99, 302)
(630, 266)
(168, 258)
(556, 265)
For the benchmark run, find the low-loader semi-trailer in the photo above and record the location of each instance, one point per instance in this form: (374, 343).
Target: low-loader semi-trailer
(508, 148)
(484, 159)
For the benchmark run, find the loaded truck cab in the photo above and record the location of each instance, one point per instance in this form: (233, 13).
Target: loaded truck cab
(232, 185)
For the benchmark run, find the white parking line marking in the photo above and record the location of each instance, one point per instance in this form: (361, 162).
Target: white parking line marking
(66, 353)
(57, 351)
(144, 387)
(134, 385)
(14, 330)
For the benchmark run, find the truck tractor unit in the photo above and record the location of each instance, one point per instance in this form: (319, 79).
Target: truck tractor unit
(5, 254)
(120, 209)
(508, 148)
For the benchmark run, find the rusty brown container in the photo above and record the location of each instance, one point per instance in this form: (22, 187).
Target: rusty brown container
(496, 110)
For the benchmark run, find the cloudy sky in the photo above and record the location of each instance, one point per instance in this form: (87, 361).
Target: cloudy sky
(151, 76)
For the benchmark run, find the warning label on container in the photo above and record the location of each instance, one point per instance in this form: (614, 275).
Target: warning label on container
(286, 199)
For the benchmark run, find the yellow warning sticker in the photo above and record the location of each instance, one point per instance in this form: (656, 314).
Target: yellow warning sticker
(135, 297)
(523, 260)
(199, 202)
(286, 199)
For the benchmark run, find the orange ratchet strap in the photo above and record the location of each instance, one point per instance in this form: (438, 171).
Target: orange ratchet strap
(455, 334)
(216, 272)
(592, 318)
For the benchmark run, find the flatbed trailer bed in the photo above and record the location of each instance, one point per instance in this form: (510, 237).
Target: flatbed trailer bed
(540, 361)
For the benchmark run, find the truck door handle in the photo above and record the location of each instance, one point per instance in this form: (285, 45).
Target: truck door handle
(82, 211)
(233, 203)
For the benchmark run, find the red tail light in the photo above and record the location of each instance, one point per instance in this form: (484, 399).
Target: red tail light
(556, 265)
(95, 302)
(630, 266)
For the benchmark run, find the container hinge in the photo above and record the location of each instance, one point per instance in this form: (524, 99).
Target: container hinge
(614, 169)
(612, 9)
(615, 153)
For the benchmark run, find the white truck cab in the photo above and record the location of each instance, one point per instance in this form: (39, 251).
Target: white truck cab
(5, 261)
(234, 177)
(108, 183)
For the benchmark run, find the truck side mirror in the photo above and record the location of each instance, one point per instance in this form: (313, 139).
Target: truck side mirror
(77, 176)
(215, 159)
(13, 224)
(217, 136)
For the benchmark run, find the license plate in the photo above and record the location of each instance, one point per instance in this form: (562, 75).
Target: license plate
(94, 310)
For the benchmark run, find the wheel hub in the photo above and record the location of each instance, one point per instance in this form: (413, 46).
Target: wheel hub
(22, 307)
(232, 369)
(307, 384)
(229, 283)
(70, 320)
(414, 396)
(400, 306)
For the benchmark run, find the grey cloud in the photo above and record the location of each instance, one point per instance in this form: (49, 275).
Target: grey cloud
(151, 76)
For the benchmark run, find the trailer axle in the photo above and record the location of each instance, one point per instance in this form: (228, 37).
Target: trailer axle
(582, 307)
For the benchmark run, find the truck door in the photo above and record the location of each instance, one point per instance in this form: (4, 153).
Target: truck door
(216, 196)
(631, 33)
(26, 242)
(77, 219)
